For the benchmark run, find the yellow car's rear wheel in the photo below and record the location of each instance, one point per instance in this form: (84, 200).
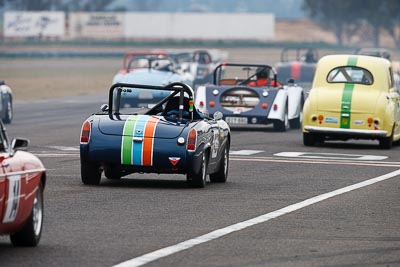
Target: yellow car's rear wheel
(309, 139)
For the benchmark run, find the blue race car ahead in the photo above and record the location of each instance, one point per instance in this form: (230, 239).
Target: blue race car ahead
(151, 69)
(172, 137)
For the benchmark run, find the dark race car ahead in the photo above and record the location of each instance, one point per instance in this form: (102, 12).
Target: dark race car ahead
(250, 94)
(199, 63)
(298, 64)
(171, 137)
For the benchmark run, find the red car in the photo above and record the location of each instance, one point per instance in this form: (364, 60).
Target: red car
(22, 181)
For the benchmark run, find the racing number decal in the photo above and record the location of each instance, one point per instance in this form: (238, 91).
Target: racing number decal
(14, 190)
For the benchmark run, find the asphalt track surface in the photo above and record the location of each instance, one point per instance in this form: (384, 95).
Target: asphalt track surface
(158, 215)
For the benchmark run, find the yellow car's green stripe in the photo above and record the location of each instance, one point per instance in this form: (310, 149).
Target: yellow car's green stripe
(347, 95)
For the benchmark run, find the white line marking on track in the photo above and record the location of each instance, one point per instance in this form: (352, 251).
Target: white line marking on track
(326, 162)
(55, 155)
(167, 251)
(65, 148)
(336, 156)
(245, 152)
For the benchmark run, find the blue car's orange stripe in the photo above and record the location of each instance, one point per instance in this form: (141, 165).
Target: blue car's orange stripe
(148, 141)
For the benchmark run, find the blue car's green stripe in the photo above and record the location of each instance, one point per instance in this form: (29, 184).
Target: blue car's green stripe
(347, 95)
(126, 147)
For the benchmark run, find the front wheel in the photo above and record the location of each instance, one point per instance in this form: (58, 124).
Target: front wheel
(90, 173)
(222, 174)
(30, 234)
(282, 126)
(295, 123)
(199, 180)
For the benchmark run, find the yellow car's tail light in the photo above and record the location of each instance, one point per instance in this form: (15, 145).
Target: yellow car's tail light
(320, 118)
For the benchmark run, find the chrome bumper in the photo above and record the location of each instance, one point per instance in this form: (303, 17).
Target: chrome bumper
(340, 131)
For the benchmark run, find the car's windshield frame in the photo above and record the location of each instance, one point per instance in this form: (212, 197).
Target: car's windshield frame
(350, 74)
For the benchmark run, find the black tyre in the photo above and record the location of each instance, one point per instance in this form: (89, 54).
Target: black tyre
(295, 123)
(199, 180)
(30, 234)
(112, 173)
(309, 139)
(90, 173)
(386, 143)
(8, 113)
(222, 174)
(282, 126)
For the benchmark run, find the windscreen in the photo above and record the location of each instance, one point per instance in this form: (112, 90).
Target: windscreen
(242, 75)
(350, 74)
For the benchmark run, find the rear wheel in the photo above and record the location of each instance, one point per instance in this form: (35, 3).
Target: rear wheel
(30, 234)
(222, 174)
(386, 143)
(90, 173)
(309, 139)
(112, 173)
(199, 180)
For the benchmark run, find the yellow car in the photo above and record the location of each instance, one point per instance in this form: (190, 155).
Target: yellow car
(352, 97)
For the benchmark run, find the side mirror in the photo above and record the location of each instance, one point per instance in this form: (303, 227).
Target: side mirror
(19, 144)
(218, 115)
(104, 107)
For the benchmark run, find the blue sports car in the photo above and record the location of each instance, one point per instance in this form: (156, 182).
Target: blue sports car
(151, 69)
(171, 137)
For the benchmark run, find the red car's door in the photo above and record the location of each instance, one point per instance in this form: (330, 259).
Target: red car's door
(13, 190)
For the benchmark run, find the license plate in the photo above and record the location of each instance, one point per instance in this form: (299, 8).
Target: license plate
(236, 120)
(145, 95)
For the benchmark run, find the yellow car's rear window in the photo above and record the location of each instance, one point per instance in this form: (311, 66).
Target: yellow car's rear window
(350, 74)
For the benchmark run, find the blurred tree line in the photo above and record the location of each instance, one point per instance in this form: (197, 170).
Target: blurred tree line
(362, 18)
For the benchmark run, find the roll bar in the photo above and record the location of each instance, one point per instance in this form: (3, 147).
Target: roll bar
(175, 87)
